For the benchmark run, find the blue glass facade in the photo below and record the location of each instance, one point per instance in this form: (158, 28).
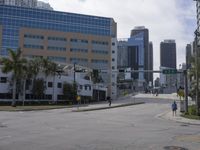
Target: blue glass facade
(136, 53)
(13, 18)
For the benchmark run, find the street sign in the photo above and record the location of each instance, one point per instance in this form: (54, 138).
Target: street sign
(169, 71)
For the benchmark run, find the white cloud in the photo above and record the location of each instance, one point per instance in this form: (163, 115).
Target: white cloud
(165, 19)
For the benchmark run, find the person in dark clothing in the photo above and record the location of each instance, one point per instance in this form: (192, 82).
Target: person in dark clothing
(174, 108)
(109, 100)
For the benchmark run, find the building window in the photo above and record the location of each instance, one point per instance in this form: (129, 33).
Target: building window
(113, 44)
(113, 59)
(113, 68)
(113, 52)
(50, 84)
(90, 88)
(85, 87)
(81, 87)
(59, 85)
(3, 79)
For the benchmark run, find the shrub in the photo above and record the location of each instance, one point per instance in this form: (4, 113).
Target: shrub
(192, 110)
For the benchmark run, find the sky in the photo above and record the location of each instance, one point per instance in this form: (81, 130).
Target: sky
(165, 19)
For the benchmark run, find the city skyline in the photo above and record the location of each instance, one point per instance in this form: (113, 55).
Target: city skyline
(165, 20)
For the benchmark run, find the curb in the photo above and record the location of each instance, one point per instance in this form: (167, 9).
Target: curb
(39, 109)
(103, 108)
(184, 121)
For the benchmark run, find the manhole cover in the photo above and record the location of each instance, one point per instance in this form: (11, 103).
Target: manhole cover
(2, 126)
(174, 148)
(184, 125)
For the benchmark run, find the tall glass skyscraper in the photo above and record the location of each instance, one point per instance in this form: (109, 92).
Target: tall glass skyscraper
(168, 54)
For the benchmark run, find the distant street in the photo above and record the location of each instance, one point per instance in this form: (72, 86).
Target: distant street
(126, 128)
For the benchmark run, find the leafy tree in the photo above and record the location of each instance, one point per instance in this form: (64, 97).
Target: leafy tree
(38, 88)
(70, 91)
(96, 78)
(192, 74)
(15, 64)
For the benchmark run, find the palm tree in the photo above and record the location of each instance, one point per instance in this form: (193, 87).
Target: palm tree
(49, 68)
(192, 73)
(30, 71)
(15, 64)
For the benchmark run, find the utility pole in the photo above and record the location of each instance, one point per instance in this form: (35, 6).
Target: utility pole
(196, 72)
(186, 90)
(74, 84)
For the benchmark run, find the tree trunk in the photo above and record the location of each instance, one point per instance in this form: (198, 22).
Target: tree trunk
(53, 97)
(14, 93)
(24, 91)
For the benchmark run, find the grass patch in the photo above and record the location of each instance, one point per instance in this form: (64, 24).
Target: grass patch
(192, 113)
(191, 117)
(32, 108)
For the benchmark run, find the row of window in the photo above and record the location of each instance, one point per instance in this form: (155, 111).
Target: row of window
(57, 38)
(54, 16)
(49, 84)
(87, 29)
(79, 60)
(100, 42)
(79, 40)
(34, 36)
(33, 46)
(99, 61)
(53, 48)
(64, 39)
(79, 50)
(59, 85)
(99, 52)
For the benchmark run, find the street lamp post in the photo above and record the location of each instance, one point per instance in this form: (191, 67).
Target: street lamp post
(197, 34)
(74, 84)
(186, 90)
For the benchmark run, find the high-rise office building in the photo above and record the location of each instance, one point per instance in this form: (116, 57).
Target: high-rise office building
(22, 3)
(27, 3)
(188, 54)
(168, 61)
(168, 54)
(136, 53)
(122, 53)
(43, 5)
(198, 20)
(61, 37)
(139, 52)
(150, 63)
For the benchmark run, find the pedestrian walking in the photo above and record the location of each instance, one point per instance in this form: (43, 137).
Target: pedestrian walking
(174, 108)
(109, 100)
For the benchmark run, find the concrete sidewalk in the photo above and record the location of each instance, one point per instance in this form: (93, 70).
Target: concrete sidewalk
(160, 96)
(105, 105)
(178, 118)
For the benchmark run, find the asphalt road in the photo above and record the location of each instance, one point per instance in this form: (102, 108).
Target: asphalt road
(126, 128)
